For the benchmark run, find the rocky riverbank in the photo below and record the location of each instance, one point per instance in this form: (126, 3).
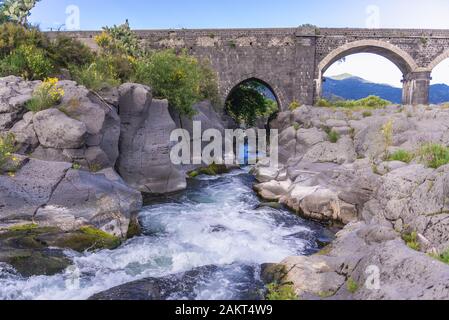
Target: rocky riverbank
(82, 163)
(377, 172)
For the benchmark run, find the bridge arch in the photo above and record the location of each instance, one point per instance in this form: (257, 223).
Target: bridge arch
(438, 60)
(275, 89)
(396, 55)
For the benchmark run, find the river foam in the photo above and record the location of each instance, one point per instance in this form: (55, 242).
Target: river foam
(217, 221)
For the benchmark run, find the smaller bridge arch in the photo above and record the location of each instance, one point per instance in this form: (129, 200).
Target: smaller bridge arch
(396, 55)
(276, 90)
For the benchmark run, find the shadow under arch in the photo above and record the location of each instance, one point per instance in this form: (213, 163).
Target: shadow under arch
(254, 79)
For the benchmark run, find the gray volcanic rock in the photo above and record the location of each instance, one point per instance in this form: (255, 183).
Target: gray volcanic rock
(56, 130)
(354, 182)
(51, 194)
(14, 94)
(83, 198)
(181, 284)
(31, 187)
(377, 264)
(83, 128)
(144, 162)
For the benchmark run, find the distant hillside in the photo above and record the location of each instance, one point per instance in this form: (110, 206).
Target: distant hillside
(350, 87)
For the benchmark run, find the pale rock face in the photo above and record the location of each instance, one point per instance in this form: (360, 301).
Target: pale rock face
(82, 120)
(144, 162)
(351, 182)
(98, 201)
(56, 130)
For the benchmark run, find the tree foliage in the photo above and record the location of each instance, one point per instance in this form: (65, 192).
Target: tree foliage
(246, 103)
(178, 77)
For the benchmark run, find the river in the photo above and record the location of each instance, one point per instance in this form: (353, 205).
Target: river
(217, 221)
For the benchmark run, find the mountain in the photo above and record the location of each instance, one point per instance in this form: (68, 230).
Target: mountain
(351, 87)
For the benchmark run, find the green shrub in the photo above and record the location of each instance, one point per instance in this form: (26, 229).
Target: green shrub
(7, 147)
(387, 133)
(323, 103)
(119, 40)
(367, 114)
(27, 61)
(280, 292)
(434, 155)
(294, 105)
(45, 96)
(96, 75)
(179, 78)
(333, 136)
(65, 51)
(411, 239)
(352, 286)
(13, 35)
(373, 102)
(443, 257)
(401, 155)
(296, 125)
(370, 102)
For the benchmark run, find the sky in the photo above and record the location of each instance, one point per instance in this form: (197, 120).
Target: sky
(164, 14)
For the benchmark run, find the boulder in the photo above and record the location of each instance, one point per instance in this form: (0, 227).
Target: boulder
(56, 130)
(99, 202)
(24, 133)
(29, 189)
(144, 162)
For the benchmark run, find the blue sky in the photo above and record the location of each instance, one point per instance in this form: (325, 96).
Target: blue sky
(160, 14)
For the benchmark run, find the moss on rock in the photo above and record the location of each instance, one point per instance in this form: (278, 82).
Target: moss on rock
(211, 170)
(27, 247)
(85, 239)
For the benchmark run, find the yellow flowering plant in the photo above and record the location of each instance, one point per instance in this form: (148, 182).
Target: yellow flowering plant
(46, 95)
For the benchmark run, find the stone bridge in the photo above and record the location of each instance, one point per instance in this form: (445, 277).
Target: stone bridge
(292, 61)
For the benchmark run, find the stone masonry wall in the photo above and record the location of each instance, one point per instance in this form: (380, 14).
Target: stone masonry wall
(290, 60)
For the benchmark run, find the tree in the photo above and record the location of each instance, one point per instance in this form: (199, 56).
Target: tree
(246, 103)
(17, 10)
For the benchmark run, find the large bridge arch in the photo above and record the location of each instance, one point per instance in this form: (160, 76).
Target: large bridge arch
(405, 63)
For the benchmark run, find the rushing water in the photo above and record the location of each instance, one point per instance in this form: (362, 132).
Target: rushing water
(216, 221)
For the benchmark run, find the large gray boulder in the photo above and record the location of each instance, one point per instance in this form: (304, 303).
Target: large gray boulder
(56, 130)
(146, 125)
(368, 262)
(83, 198)
(52, 194)
(31, 188)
